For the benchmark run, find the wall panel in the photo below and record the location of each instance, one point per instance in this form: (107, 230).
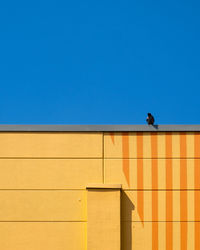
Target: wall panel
(137, 236)
(29, 205)
(114, 173)
(130, 205)
(40, 236)
(49, 174)
(114, 143)
(51, 145)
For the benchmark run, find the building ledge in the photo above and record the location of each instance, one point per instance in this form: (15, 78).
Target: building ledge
(104, 186)
(99, 128)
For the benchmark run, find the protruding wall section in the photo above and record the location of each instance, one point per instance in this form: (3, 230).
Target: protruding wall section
(103, 211)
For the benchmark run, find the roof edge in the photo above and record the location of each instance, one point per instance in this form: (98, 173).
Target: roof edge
(99, 128)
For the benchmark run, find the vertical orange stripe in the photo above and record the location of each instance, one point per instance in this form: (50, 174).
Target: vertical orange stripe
(183, 193)
(154, 155)
(183, 162)
(125, 152)
(140, 195)
(197, 186)
(169, 194)
(112, 135)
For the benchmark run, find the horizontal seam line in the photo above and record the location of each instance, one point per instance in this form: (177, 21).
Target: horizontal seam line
(97, 158)
(160, 221)
(42, 221)
(29, 189)
(37, 189)
(149, 158)
(52, 158)
(161, 189)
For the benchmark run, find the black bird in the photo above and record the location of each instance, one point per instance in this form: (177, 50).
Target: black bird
(150, 119)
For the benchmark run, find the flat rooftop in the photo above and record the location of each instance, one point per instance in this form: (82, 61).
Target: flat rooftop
(99, 128)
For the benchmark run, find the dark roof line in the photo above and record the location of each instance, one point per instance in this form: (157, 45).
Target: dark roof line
(99, 128)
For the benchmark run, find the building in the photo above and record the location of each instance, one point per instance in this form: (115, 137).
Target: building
(100, 187)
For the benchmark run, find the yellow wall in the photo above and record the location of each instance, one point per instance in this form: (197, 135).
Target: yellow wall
(44, 203)
(43, 197)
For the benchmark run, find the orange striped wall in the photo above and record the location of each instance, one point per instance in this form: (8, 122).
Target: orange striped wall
(160, 173)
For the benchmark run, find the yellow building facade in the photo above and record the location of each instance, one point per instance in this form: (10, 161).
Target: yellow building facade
(99, 188)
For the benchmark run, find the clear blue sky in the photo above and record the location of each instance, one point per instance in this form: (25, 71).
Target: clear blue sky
(99, 62)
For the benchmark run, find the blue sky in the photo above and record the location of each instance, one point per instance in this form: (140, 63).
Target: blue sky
(99, 62)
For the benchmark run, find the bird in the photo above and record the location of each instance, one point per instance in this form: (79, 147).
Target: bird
(150, 119)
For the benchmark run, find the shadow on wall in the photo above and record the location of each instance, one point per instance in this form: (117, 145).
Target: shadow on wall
(126, 223)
